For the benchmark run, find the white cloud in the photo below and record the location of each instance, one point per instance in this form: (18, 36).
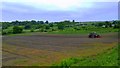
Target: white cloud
(59, 0)
(58, 4)
(52, 4)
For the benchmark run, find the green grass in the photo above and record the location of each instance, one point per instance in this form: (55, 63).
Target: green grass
(84, 31)
(66, 31)
(107, 58)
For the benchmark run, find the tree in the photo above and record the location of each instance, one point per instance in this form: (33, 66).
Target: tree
(5, 25)
(61, 27)
(117, 26)
(108, 24)
(100, 24)
(66, 21)
(16, 22)
(46, 22)
(40, 22)
(47, 27)
(17, 29)
(36, 26)
(73, 21)
(32, 30)
(4, 32)
(114, 22)
(27, 27)
(93, 24)
(51, 25)
(33, 21)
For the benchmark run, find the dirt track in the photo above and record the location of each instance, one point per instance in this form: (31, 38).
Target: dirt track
(52, 47)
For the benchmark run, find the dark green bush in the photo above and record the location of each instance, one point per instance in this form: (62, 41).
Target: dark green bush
(4, 33)
(61, 27)
(31, 30)
(17, 29)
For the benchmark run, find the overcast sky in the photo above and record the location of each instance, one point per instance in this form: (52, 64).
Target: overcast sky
(59, 10)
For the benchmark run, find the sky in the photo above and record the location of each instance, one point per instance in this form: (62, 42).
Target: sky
(59, 10)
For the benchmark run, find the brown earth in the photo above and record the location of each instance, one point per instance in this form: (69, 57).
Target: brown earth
(47, 49)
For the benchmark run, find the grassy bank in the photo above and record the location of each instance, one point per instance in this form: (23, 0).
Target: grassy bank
(107, 58)
(71, 31)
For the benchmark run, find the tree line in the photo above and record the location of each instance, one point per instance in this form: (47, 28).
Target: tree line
(20, 26)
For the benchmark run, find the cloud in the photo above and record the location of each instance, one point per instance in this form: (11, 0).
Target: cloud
(58, 4)
(57, 10)
(58, 0)
(16, 7)
(53, 4)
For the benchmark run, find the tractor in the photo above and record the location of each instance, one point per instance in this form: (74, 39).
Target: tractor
(94, 35)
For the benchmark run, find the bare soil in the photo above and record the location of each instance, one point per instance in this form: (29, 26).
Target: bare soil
(48, 49)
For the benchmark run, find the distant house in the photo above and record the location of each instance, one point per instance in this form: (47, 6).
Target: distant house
(113, 25)
(103, 26)
(80, 24)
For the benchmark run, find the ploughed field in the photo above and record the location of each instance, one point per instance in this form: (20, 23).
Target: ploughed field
(45, 50)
